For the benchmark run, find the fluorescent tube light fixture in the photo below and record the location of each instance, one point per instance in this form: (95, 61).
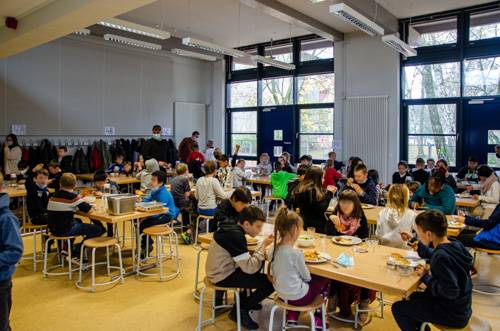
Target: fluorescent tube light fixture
(116, 23)
(212, 47)
(316, 1)
(83, 32)
(271, 62)
(131, 42)
(399, 45)
(193, 55)
(357, 19)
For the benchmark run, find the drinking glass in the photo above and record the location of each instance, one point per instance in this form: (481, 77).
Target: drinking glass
(311, 231)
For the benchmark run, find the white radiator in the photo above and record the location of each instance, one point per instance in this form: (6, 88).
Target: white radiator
(366, 132)
(189, 117)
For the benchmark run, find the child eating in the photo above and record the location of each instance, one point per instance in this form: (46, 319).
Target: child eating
(363, 186)
(127, 169)
(229, 210)
(117, 166)
(448, 295)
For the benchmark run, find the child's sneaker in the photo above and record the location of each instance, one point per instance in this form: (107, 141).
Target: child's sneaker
(292, 317)
(474, 273)
(318, 324)
(76, 260)
(185, 236)
(64, 250)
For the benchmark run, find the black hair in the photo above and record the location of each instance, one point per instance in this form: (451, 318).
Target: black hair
(252, 214)
(430, 159)
(22, 164)
(443, 161)
(160, 176)
(100, 176)
(434, 221)
(484, 171)
(195, 133)
(403, 163)
(354, 162)
(304, 157)
(242, 194)
(118, 156)
(439, 177)
(223, 158)
(473, 158)
(420, 161)
(302, 169)
(373, 173)
(63, 148)
(196, 146)
(277, 166)
(362, 168)
(157, 127)
(14, 140)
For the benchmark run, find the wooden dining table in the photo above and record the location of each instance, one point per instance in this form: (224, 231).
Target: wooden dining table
(20, 192)
(258, 179)
(120, 180)
(369, 270)
(104, 216)
(468, 202)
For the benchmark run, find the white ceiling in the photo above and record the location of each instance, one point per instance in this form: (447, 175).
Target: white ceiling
(18, 8)
(401, 8)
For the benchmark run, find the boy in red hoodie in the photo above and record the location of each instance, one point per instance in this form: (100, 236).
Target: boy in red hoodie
(196, 155)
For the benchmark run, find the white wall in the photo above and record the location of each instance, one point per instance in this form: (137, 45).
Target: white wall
(364, 66)
(72, 88)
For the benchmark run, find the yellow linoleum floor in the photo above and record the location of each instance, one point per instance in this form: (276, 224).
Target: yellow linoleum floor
(147, 304)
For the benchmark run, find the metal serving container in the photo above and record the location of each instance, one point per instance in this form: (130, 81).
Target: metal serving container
(119, 204)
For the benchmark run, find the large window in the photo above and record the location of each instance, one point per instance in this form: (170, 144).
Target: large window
(283, 53)
(482, 77)
(432, 132)
(316, 49)
(316, 88)
(243, 94)
(433, 33)
(484, 25)
(277, 91)
(432, 81)
(244, 132)
(316, 132)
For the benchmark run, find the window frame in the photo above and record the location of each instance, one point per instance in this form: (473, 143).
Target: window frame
(313, 106)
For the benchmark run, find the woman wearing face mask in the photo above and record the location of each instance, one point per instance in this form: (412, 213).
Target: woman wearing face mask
(435, 194)
(12, 155)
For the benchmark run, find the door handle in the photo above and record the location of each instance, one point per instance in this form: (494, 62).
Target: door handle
(297, 135)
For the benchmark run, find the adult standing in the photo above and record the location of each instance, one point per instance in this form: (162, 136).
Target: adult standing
(209, 152)
(157, 148)
(187, 146)
(12, 155)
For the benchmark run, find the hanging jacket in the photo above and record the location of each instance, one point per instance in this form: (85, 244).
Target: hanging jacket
(105, 154)
(55, 156)
(25, 154)
(95, 159)
(80, 162)
(141, 142)
(173, 153)
(134, 146)
(32, 157)
(46, 152)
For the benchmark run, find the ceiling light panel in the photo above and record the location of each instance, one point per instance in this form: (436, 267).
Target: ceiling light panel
(212, 47)
(399, 45)
(131, 42)
(357, 19)
(116, 23)
(274, 63)
(83, 32)
(194, 55)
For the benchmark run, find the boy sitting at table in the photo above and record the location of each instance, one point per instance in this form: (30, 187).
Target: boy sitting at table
(181, 191)
(101, 178)
(448, 295)
(196, 155)
(55, 174)
(364, 186)
(159, 193)
(435, 194)
(230, 209)
(225, 171)
(117, 166)
(37, 195)
(279, 182)
(60, 215)
(64, 159)
(127, 169)
(23, 167)
(229, 263)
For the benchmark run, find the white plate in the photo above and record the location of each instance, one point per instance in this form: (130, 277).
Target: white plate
(455, 225)
(414, 261)
(355, 240)
(325, 257)
(368, 206)
(254, 243)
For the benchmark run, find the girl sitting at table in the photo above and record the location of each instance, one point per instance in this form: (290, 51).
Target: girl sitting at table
(435, 194)
(352, 165)
(348, 219)
(312, 200)
(331, 175)
(489, 188)
(291, 278)
(395, 217)
(448, 295)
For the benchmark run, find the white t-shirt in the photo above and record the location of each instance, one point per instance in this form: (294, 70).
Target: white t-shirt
(209, 154)
(389, 224)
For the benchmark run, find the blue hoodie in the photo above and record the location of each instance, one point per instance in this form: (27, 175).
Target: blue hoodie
(450, 285)
(444, 200)
(163, 195)
(490, 235)
(11, 243)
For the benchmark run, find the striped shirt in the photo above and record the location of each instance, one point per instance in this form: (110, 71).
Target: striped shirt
(61, 209)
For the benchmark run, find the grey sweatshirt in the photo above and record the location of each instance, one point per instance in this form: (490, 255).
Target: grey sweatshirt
(290, 273)
(145, 176)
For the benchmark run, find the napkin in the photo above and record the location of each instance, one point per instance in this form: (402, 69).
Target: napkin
(345, 260)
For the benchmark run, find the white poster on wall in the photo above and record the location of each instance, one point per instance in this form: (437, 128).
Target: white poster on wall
(337, 144)
(167, 131)
(109, 130)
(19, 129)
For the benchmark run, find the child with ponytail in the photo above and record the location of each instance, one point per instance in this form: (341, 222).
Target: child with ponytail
(291, 278)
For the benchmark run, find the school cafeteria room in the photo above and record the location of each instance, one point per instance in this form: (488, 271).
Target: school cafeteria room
(250, 165)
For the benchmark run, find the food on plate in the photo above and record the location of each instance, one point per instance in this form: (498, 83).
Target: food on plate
(414, 245)
(251, 240)
(343, 240)
(139, 192)
(86, 192)
(313, 256)
(399, 259)
(364, 205)
(454, 224)
(339, 227)
(306, 237)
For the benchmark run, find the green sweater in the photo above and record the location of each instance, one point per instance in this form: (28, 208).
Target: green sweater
(279, 181)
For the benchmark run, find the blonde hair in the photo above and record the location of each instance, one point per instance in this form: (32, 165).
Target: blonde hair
(398, 198)
(286, 158)
(181, 168)
(68, 180)
(328, 164)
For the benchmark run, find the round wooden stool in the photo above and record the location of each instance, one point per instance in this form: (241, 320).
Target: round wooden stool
(159, 231)
(476, 323)
(208, 218)
(271, 198)
(203, 248)
(486, 286)
(310, 309)
(95, 243)
(46, 271)
(30, 226)
(209, 285)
